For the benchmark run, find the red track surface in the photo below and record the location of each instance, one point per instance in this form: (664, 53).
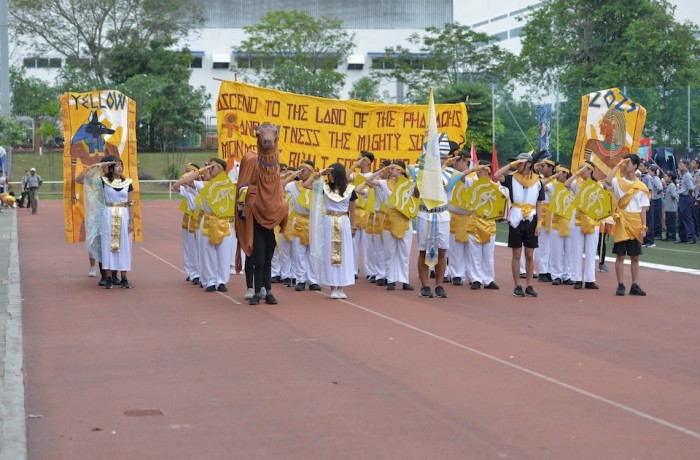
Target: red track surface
(383, 375)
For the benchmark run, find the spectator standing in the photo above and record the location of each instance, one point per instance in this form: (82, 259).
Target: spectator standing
(24, 197)
(657, 189)
(34, 182)
(695, 172)
(671, 206)
(650, 218)
(686, 228)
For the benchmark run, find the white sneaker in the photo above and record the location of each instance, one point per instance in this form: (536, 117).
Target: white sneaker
(93, 272)
(335, 294)
(263, 292)
(233, 271)
(341, 294)
(249, 293)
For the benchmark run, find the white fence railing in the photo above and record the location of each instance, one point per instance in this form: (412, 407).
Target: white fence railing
(147, 187)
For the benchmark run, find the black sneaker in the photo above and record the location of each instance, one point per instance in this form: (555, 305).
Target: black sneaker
(270, 299)
(108, 283)
(381, 282)
(314, 287)
(440, 292)
(457, 281)
(102, 282)
(187, 280)
(222, 288)
(578, 285)
(300, 287)
(636, 290)
(211, 288)
(425, 292)
(542, 278)
(255, 300)
(620, 289)
(568, 282)
(275, 279)
(408, 287)
(518, 291)
(476, 285)
(195, 281)
(491, 285)
(126, 284)
(549, 277)
(556, 282)
(523, 276)
(591, 285)
(391, 286)
(372, 279)
(529, 292)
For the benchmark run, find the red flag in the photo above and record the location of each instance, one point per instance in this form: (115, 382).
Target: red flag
(474, 159)
(494, 161)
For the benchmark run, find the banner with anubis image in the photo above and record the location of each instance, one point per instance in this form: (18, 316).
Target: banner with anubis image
(96, 124)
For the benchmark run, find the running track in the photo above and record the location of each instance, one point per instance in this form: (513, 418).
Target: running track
(383, 375)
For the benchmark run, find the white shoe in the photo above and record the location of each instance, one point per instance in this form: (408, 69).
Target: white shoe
(335, 295)
(233, 271)
(249, 293)
(263, 292)
(341, 294)
(93, 272)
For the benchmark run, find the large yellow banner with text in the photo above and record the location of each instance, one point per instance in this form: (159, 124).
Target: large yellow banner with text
(328, 130)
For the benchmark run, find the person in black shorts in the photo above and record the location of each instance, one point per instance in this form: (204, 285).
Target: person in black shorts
(526, 194)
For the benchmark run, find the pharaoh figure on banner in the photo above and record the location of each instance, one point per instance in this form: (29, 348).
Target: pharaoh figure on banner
(98, 124)
(610, 127)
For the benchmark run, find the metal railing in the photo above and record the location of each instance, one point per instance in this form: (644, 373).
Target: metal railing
(154, 188)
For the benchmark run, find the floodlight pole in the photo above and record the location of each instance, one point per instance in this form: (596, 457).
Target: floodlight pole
(4, 60)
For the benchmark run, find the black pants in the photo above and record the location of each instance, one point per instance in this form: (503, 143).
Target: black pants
(264, 245)
(249, 272)
(671, 224)
(602, 247)
(686, 229)
(649, 238)
(655, 226)
(696, 215)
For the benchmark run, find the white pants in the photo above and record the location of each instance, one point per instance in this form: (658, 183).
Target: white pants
(558, 263)
(304, 270)
(285, 258)
(397, 254)
(583, 250)
(376, 256)
(360, 249)
(481, 260)
(543, 250)
(458, 260)
(215, 262)
(189, 254)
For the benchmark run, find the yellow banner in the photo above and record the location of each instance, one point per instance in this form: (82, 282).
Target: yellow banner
(563, 201)
(402, 198)
(486, 199)
(609, 128)
(460, 196)
(304, 198)
(328, 130)
(96, 124)
(220, 195)
(594, 201)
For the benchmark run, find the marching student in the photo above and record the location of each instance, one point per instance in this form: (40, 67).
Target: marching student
(584, 234)
(361, 240)
(544, 241)
(190, 223)
(630, 220)
(458, 251)
(560, 244)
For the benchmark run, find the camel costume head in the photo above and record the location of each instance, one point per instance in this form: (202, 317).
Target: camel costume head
(264, 202)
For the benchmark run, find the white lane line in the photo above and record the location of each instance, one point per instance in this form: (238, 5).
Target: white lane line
(536, 374)
(183, 272)
(667, 268)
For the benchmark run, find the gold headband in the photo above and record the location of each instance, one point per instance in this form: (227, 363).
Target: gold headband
(587, 165)
(549, 162)
(307, 166)
(400, 168)
(563, 169)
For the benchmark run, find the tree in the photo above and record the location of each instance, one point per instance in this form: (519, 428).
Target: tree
(37, 99)
(365, 89)
(584, 46)
(445, 57)
(82, 30)
(157, 78)
(11, 132)
(296, 52)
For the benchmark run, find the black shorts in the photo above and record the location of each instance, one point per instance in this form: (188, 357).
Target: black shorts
(627, 248)
(523, 234)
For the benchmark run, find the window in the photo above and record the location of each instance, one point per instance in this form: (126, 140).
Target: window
(516, 32)
(498, 18)
(55, 63)
(42, 63)
(29, 63)
(501, 36)
(356, 62)
(221, 60)
(197, 57)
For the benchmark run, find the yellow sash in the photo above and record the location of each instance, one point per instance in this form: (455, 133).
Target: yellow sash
(301, 228)
(216, 228)
(526, 208)
(526, 181)
(460, 226)
(587, 224)
(186, 222)
(482, 228)
(628, 226)
(546, 219)
(561, 224)
(195, 221)
(630, 190)
(396, 223)
(361, 218)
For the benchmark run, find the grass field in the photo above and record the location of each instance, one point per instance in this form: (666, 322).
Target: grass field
(50, 164)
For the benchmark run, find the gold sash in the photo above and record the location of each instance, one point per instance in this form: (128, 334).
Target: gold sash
(361, 217)
(525, 208)
(336, 236)
(302, 223)
(196, 220)
(526, 181)
(628, 226)
(216, 228)
(369, 228)
(561, 224)
(396, 223)
(115, 228)
(546, 219)
(587, 224)
(630, 190)
(460, 226)
(482, 228)
(186, 222)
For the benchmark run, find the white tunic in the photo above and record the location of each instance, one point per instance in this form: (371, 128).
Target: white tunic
(343, 274)
(116, 260)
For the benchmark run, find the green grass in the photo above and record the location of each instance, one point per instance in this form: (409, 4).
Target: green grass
(677, 255)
